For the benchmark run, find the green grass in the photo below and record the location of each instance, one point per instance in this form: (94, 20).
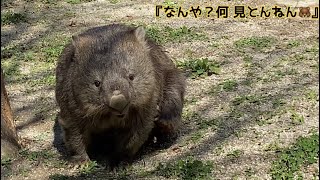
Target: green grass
(214, 45)
(235, 154)
(37, 155)
(293, 43)
(277, 103)
(305, 151)
(186, 169)
(89, 167)
(273, 147)
(314, 49)
(205, 124)
(199, 67)
(170, 3)
(6, 161)
(48, 80)
(249, 99)
(114, 1)
(190, 100)
(174, 35)
(190, 116)
(229, 85)
(312, 95)
(256, 43)
(13, 18)
(247, 58)
(249, 172)
(51, 47)
(196, 136)
(78, 1)
(296, 118)
(10, 68)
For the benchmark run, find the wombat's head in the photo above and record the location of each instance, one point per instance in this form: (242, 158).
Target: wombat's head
(113, 71)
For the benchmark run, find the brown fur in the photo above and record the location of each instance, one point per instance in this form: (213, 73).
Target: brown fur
(111, 54)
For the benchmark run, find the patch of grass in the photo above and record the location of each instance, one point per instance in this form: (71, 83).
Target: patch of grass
(10, 68)
(279, 74)
(312, 95)
(13, 18)
(293, 43)
(187, 169)
(305, 151)
(235, 154)
(247, 82)
(314, 49)
(78, 1)
(249, 172)
(296, 118)
(247, 58)
(256, 43)
(273, 147)
(89, 167)
(52, 2)
(48, 80)
(229, 85)
(200, 67)
(114, 1)
(51, 48)
(191, 100)
(52, 53)
(278, 103)
(196, 136)
(171, 4)
(190, 116)
(250, 99)
(36, 155)
(205, 124)
(176, 35)
(214, 45)
(6, 161)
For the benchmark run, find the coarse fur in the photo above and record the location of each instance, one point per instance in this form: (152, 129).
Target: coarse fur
(116, 62)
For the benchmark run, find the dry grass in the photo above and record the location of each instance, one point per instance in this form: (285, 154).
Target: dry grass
(264, 97)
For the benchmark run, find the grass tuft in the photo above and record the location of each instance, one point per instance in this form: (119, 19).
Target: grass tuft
(186, 169)
(199, 67)
(304, 151)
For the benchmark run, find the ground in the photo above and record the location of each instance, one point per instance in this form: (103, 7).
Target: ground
(252, 100)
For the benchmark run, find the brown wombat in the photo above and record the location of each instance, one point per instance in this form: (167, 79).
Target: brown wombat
(114, 78)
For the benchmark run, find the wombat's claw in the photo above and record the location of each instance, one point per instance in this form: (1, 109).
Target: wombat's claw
(78, 162)
(158, 113)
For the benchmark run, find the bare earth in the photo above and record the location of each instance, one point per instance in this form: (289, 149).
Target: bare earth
(284, 81)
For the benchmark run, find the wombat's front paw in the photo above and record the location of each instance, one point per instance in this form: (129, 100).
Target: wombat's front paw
(78, 161)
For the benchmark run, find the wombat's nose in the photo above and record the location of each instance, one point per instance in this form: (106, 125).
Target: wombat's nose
(118, 101)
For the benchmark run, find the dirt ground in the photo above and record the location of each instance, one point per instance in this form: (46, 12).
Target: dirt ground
(263, 99)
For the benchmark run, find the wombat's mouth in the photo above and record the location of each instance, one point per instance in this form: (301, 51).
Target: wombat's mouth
(122, 113)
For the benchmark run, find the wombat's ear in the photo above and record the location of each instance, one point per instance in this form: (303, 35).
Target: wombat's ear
(81, 45)
(140, 34)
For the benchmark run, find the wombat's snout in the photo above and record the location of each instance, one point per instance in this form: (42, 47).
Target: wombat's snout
(118, 101)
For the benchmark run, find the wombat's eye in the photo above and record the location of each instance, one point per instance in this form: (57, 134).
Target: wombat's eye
(97, 83)
(131, 77)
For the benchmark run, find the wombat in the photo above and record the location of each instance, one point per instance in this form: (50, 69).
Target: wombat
(115, 78)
